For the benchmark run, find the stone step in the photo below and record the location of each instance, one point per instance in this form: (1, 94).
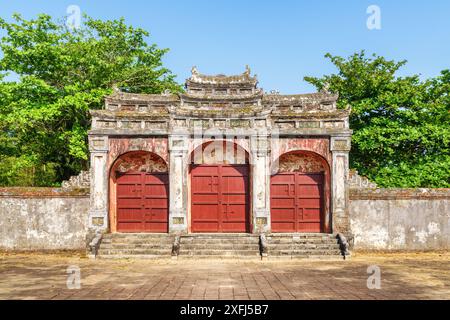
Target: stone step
(304, 252)
(231, 236)
(133, 251)
(311, 243)
(275, 249)
(221, 246)
(308, 244)
(137, 242)
(136, 235)
(135, 256)
(220, 235)
(219, 257)
(301, 246)
(213, 252)
(133, 242)
(305, 257)
(301, 235)
(137, 246)
(218, 243)
(285, 239)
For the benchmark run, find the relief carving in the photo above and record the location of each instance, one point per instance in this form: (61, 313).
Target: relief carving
(239, 123)
(98, 144)
(304, 163)
(309, 124)
(341, 144)
(141, 162)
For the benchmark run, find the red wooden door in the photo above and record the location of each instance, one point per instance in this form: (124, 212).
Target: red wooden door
(219, 198)
(296, 201)
(142, 202)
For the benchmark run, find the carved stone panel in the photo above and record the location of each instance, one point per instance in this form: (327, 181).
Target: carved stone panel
(140, 161)
(104, 124)
(178, 220)
(234, 123)
(200, 123)
(308, 124)
(305, 163)
(260, 123)
(220, 124)
(340, 144)
(286, 125)
(333, 124)
(98, 144)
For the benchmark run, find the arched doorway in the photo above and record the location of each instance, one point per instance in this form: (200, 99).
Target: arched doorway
(219, 175)
(299, 193)
(139, 193)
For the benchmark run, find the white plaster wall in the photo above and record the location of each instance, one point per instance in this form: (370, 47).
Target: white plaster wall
(404, 224)
(43, 223)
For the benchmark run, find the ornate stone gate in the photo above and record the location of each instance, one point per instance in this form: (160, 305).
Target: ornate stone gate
(231, 110)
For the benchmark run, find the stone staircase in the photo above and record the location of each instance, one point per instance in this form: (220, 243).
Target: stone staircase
(303, 245)
(219, 246)
(237, 246)
(136, 245)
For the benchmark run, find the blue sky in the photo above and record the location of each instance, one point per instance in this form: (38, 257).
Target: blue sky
(282, 41)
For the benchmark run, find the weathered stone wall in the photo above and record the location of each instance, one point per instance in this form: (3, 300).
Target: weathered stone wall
(43, 219)
(380, 219)
(400, 219)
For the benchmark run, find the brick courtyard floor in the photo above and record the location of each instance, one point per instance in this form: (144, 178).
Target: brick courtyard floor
(403, 276)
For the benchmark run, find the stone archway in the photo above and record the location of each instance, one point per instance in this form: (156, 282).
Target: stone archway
(139, 193)
(300, 193)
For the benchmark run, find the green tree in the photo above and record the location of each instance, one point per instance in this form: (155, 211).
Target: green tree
(62, 74)
(401, 125)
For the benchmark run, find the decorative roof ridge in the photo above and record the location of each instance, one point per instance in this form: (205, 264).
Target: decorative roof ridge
(300, 96)
(211, 96)
(245, 78)
(127, 96)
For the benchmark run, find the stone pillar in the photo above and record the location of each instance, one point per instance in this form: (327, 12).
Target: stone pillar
(260, 171)
(98, 209)
(178, 182)
(340, 147)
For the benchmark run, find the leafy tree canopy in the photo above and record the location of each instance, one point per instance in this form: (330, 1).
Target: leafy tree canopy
(401, 125)
(62, 74)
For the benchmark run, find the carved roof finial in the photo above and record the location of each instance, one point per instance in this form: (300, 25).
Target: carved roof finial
(247, 70)
(116, 89)
(194, 70)
(325, 88)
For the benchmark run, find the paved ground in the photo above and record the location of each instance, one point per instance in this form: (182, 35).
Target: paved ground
(403, 276)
